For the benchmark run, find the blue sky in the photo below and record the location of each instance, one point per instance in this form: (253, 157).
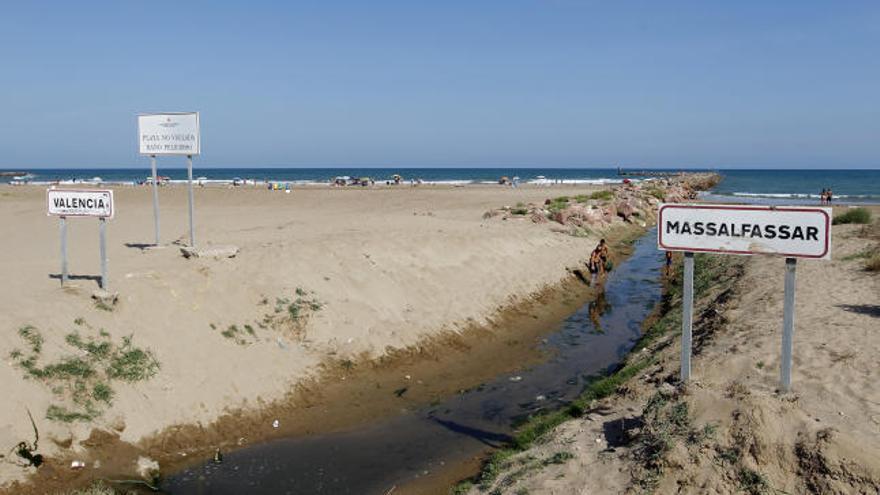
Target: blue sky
(560, 83)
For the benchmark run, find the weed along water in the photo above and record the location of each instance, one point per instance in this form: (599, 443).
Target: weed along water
(404, 449)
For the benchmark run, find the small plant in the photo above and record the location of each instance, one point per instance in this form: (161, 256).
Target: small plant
(603, 195)
(558, 458)
(854, 215)
(753, 482)
(79, 321)
(286, 314)
(84, 378)
(872, 263)
(132, 364)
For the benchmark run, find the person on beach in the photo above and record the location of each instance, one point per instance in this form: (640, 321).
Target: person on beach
(602, 248)
(828, 196)
(595, 265)
(824, 196)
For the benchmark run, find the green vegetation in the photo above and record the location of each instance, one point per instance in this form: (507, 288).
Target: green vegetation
(289, 314)
(520, 209)
(657, 192)
(709, 271)
(753, 482)
(557, 204)
(603, 195)
(854, 215)
(83, 379)
(667, 421)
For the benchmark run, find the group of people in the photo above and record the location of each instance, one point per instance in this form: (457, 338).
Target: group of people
(826, 196)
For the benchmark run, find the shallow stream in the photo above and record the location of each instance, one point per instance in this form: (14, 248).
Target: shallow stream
(396, 451)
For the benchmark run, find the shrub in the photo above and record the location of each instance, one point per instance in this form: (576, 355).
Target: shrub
(872, 264)
(603, 195)
(854, 215)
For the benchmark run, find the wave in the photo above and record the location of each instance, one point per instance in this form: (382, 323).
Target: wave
(793, 195)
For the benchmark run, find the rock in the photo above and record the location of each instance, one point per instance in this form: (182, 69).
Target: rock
(105, 297)
(562, 216)
(118, 424)
(625, 209)
(538, 217)
(216, 252)
(147, 468)
(668, 389)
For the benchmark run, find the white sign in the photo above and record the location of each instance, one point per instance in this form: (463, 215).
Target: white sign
(169, 133)
(80, 203)
(794, 232)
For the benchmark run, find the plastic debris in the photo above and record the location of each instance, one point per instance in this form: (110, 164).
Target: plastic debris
(276, 424)
(77, 464)
(516, 378)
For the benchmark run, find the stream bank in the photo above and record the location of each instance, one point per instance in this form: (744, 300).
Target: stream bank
(434, 440)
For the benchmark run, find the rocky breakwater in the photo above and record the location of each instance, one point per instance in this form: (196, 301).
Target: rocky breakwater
(632, 202)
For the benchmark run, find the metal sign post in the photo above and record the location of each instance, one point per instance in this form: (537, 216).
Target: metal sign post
(687, 316)
(155, 196)
(787, 325)
(65, 203)
(63, 221)
(170, 133)
(102, 248)
(189, 173)
(792, 232)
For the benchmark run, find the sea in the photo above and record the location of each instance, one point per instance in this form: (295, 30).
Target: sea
(762, 186)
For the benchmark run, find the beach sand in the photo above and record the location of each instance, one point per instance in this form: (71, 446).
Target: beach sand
(389, 267)
(823, 437)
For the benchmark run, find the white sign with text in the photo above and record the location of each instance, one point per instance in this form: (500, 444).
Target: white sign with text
(80, 203)
(169, 133)
(793, 232)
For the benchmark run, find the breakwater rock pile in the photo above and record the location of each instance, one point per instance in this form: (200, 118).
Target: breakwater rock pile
(631, 202)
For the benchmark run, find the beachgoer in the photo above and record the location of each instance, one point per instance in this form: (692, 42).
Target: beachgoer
(595, 265)
(829, 196)
(823, 197)
(603, 251)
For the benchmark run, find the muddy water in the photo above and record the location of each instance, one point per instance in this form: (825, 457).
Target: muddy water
(402, 449)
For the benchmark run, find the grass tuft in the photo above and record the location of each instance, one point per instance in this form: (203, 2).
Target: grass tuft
(853, 215)
(84, 379)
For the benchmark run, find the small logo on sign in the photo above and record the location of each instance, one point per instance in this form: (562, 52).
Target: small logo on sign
(168, 123)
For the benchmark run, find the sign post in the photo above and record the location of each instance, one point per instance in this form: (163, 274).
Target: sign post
(63, 221)
(687, 316)
(65, 203)
(787, 324)
(155, 196)
(789, 232)
(170, 133)
(189, 177)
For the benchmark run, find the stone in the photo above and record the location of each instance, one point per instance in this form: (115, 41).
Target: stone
(147, 468)
(105, 297)
(118, 424)
(216, 252)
